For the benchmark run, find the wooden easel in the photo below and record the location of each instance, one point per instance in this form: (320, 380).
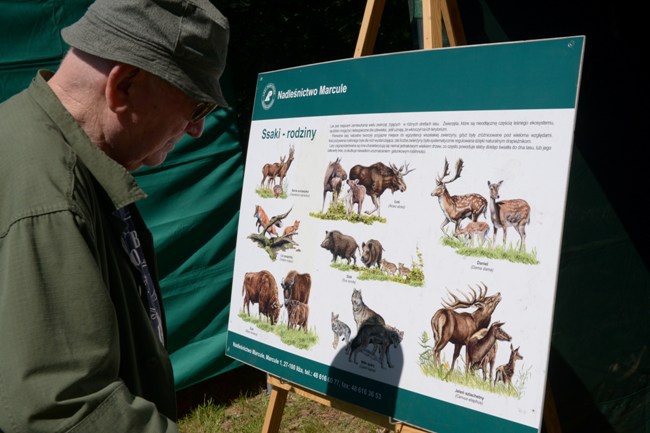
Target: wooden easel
(436, 15)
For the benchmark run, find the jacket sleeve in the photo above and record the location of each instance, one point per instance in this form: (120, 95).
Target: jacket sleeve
(60, 351)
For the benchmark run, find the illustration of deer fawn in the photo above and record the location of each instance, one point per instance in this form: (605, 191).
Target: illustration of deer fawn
(457, 207)
(474, 230)
(505, 372)
(504, 213)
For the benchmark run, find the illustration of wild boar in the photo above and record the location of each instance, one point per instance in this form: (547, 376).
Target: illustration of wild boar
(340, 245)
(371, 253)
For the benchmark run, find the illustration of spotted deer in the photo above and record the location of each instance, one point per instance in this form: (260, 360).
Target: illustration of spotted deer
(474, 230)
(504, 213)
(457, 207)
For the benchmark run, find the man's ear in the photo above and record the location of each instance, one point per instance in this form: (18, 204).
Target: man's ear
(118, 86)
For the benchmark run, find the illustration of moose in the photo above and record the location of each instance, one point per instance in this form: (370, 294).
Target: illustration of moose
(504, 213)
(335, 175)
(450, 326)
(377, 178)
(457, 207)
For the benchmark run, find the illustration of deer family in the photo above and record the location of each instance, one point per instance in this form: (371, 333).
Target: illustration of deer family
(451, 326)
(271, 171)
(503, 214)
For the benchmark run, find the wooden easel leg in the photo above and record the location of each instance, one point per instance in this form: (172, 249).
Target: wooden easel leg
(453, 23)
(369, 27)
(551, 418)
(434, 13)
(275, 409)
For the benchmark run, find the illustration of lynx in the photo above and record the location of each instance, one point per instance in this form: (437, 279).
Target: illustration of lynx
(381, 336)
(362, 313)
(340, 329)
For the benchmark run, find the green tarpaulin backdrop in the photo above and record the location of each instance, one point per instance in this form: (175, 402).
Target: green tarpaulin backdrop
(193, 198)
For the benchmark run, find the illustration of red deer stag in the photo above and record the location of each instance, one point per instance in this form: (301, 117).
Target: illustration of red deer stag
(457, 207)
(450, 326)
(504, 213)
(270, 171)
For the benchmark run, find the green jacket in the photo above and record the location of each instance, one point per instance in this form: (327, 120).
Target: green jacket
(77, 350)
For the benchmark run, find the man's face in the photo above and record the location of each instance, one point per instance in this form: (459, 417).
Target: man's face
(160, 116)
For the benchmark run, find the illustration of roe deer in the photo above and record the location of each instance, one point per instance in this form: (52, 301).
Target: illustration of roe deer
(505, 372)
(504, 213)
(284, 167)
(450, 326)
(457, 207)
(270, 171)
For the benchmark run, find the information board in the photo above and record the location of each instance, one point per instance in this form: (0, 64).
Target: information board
(400, 230)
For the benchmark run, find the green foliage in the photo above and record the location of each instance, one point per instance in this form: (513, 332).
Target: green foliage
(510, 253)
(292, 337)
(475, 380)
(336, 211)
(264, 192)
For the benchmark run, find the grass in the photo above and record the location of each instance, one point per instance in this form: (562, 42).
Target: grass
(337, 211)
(246, 413)
(290, 336)
(429, 368)
(510, 252)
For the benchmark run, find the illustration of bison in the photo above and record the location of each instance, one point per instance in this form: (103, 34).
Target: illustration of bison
(261, 288)
(297, 287)
(340, 245)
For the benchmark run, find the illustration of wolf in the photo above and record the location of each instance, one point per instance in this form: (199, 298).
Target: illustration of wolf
(340, 329)
(381, 336)
(362, 313)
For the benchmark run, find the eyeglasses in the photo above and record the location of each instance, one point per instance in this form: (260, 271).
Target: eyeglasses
(201, 110)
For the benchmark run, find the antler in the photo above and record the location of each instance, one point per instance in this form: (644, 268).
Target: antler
(406, 170)
(476, 298)
(459, 169)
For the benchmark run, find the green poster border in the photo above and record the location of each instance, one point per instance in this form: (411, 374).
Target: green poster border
(540, 74)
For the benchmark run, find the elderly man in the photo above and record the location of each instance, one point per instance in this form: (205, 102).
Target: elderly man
(82, 328)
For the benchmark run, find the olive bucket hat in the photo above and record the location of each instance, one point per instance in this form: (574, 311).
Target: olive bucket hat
(184, 42)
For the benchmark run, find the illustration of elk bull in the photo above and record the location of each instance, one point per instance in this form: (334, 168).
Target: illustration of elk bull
(377, 178)
(457, 207)
(450, 326)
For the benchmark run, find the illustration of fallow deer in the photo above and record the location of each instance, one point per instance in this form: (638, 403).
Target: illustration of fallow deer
(505, 372)
(504, 213)
(457, 207)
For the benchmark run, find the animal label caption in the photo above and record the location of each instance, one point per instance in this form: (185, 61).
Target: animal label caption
(468, 396)
(417, 137)
(307, 372)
